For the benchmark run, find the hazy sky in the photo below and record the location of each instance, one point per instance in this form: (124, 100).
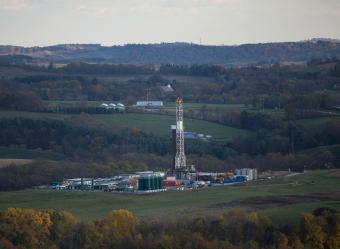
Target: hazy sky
(46, 22)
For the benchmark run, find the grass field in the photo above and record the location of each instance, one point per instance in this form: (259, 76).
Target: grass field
(160, 125)
(225, 107)
(281, 198)
(33, 115)
(210, 106)
(5, 162)
(315, 122)
(333, 148)
(76, 103)
(149, 123)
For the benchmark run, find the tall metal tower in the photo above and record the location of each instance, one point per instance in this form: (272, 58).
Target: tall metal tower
(180, 161)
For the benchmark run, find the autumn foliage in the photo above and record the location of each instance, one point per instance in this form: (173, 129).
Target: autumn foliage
(236, 229)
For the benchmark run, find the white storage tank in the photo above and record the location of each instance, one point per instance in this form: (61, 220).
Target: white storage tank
(250, 173)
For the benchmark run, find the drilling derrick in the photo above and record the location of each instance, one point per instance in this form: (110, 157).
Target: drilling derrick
(180, 161)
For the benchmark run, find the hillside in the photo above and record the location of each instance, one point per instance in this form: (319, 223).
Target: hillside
(183, 53)
(158, 125)
(269, 118)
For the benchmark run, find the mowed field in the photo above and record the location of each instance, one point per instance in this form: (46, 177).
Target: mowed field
(281, 198)
(226, 107)
(150, 123)
(193, 106)
(160, 125)
(6, 162)
(315, 122)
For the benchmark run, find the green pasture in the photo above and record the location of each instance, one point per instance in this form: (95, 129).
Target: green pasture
(75, 103)
(150, 123)
(192, 203)
(160, 125)
(315, 122)
(192, 106)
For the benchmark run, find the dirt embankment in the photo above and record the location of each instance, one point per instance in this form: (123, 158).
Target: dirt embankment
(262, 202)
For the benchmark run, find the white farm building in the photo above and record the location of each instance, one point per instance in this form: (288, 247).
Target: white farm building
(149, 104)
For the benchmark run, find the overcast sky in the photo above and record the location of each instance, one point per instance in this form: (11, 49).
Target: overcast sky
(109, 22)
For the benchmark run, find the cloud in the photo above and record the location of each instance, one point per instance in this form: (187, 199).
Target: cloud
(19, 4)
(149, 8)
(195, 3)
(98, 11)
(13, 4)
(147, 5)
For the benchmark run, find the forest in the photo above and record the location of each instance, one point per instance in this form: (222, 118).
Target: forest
(30, 229)
(181, 52)
(307, 87)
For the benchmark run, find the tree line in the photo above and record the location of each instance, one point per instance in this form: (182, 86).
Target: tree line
(236, 229)
(77, 141)
(80, 141)
(314, 85)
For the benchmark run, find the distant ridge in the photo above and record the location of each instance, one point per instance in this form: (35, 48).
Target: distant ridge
(183, 53)
(325, 40)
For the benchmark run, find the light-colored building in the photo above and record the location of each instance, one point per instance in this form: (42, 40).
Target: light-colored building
(250, 173)
(120, 107)
(112, 106)
(149, 104)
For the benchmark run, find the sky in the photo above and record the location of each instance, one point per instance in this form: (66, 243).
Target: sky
(215, 22)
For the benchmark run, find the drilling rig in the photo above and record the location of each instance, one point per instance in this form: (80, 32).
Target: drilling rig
(180, 168)
(180, 161)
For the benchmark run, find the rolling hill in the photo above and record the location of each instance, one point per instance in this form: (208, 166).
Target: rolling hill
(183, 53)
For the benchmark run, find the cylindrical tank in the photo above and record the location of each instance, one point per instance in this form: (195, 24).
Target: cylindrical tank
(146, 184)
(155, 180)
(160, 180)
(140, 184)
(150, 182)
